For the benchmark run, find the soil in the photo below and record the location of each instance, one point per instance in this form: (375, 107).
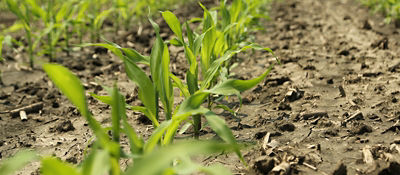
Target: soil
(331, 107)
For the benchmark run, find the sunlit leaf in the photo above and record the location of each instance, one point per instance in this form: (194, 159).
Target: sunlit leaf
(173, 23)
(51, 166)
(162, 158)
(146, 88)
(11, 165)
(97, 162)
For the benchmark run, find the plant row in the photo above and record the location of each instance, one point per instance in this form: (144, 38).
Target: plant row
(209, 49)
(54, 25)
(391, 8)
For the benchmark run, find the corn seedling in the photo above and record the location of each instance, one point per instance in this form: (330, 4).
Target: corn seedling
(160, 84)
(391, 8)
(214, 53)
(239, 18)
(1, 47)
(106, 152)
(24, 15)
(55, 19)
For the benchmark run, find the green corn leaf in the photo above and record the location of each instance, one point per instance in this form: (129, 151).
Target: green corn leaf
(226, 108)
(156, 54)
(18, 161)
(219, 126)
(156, 137)
(136, 56)
(180, 85)
(195, 19)
(117, 112)
(176, 42)
(208, 44)
(197, 43)
(233, 87)
(131, 54)
(97, 162)
(56, 35)
(51, 166)
(217, 169)
(15, 27)
(146, 88)
(135, 142)
(226, 17)
(189, 107)
(216, 65)
(115, 50)
(184, 128)
(187, 166)
(236, 8)
(108, 100)
(155, 60)
(104, 99)
(98, 22)
(167, 96)
(192, 104)
(190, 36)
(83, 6)
(213, 70)
(64, 11)
(155, 26)
(138, 108)
(192, 74)
(71, 87)
(173, 127)
(173, 23)
(13, 6)
(208, 41)
(221, 45)
(1, 47)
(208, 21)
(162, 158)
(37, 10)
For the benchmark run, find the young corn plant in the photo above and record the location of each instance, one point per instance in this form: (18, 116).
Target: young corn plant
(160, 84)
(79, 19)
(239, 19)
(391, 8)
(148, 157)
(213, 50)
(24, 16)
(58, 23)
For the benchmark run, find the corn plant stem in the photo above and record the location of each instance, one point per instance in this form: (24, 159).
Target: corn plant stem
(30, 47)
(117, 24)
(209, 102)
(197, 126)
(49, 35)
(80, 31)
(67, 35)
(156, 102)
(1, 80)
(127, 23)
(29, 38)
(93, 31)
(50, 47)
